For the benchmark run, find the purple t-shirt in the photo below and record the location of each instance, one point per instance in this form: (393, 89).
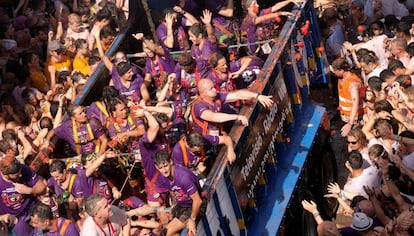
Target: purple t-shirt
(180, 37)
(159, 67)
(77, 190)
(132, 142)
(188, 80)
(223, 84)
(184, 185)
(71, 230)
(134, 202)
(94, 185)
(13, 202)
(200, 107)
(249, 75)
(94, 111)
(65, 131)
(249, 27)
(201, 55)
(148, 150)
(133, 92)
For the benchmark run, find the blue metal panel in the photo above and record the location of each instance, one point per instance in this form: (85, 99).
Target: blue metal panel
(282, 183)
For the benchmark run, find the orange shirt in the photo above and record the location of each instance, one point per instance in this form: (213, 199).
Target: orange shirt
(81, 64)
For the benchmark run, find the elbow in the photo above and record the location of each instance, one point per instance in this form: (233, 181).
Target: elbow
(227, 12)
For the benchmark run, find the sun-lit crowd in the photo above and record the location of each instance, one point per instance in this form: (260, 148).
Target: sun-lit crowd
(132, 162)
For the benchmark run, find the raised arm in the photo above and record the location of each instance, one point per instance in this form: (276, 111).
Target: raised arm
(227, 10)
(219, 117)
(244, 94)
(206, 19)
(107, 62)
(191, 20)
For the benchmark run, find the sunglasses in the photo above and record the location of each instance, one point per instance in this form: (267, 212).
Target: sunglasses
(352, 142)
(60, 51)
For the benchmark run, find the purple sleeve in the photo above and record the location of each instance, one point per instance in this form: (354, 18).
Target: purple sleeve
(162, 33)
(134, 202)
(29, 177)
(177, 155)
(188, 181)
(235, 65)
(51, 182)
(212, 139)
(177, 71)
(147, 69)
(222, 97)
(97, 128)
(77, 189)
(111, 131)
(61, 131)
(72, 230)
(199, 108)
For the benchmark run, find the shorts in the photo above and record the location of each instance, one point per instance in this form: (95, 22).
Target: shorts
(181, 213)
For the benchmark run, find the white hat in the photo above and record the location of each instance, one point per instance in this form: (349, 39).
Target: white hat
(361, 222)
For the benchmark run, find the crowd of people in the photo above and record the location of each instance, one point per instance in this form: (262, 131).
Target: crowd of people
(369, 46)
(163, 122)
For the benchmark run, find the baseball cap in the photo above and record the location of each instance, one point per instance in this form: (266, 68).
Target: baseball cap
(54, 45)
(361, 222)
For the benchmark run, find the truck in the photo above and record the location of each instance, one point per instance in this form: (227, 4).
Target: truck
(283, 156)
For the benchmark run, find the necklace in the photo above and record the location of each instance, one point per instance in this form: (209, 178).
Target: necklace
(110, 227)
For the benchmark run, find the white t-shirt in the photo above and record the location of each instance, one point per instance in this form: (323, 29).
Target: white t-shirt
(369, 177)
(114, 227)
(408, 160)
(376, 44)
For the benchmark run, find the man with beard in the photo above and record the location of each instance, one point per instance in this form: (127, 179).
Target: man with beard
(84, 135)
(19, 186)
(46, 224)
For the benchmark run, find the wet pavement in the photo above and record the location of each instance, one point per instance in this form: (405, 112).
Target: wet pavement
(322, 95)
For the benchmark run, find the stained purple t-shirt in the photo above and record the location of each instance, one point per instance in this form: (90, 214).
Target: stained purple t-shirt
(200, 107)
(65, 131)
(94, 185)
(13, 202)
(71, 230)
(187, 79)
(249, 27)
(77, 190)
(184, 185)
(133, 92)
(132, 142)
(223, 84)
(180, 37)
(201, 56)
(159, 67)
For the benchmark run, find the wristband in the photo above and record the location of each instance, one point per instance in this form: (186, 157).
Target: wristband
(342, 195)
(193, 218)
(315, 213)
